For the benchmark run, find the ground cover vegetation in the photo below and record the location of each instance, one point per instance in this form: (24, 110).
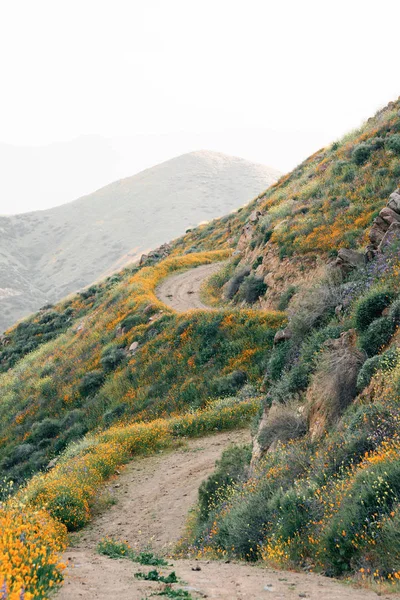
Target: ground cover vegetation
(112, 372)
(331, 501)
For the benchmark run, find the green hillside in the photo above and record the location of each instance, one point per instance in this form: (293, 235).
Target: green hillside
(301, 332)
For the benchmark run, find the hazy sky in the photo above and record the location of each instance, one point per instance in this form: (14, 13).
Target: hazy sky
(209, 71)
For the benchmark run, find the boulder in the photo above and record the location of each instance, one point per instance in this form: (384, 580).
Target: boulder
(389, 215)
(133, 348)
(119, 331)
(392, 235)
(378, 230)
(282, 336)
(52, 463)
(348, 259)
(394, 201)
(254, 216)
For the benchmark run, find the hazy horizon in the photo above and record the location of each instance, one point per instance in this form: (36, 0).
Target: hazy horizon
(269, 82)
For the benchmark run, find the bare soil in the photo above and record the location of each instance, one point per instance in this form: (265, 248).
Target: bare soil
(182, 291)
(153, 496)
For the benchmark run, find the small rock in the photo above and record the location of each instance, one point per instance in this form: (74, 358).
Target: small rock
(282, 335)
(133, 348)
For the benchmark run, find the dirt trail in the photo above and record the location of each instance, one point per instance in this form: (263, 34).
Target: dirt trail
(154, 495)
(182, 291)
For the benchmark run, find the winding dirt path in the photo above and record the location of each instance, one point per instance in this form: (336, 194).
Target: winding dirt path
(182, 291)
(153, 496)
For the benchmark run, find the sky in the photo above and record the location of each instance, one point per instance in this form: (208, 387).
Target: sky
(270, 81)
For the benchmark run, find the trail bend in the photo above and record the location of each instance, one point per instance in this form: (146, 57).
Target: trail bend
(153, 496)
(182, 291)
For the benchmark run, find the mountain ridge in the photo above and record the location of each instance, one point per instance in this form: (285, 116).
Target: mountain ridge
(45, 255)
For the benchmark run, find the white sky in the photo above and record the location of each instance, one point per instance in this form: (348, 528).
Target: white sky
(209, 71)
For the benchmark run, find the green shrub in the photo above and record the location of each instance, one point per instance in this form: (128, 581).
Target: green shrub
(370, 307)
(112, 357)
(257, 262)
(156, 576)
(48, 428)
(91, 382)
(372, 495)
(286, 296)
(349, 175)
(385, 362)
(131, 321)
(361, 153)
(231, 468)
(394, 312)
(243, 526)
(115, 413)
(377, 336)
(339, 166)
(228, 385)
(384, 556)
(393, 143)
(278, 360)
(252, 288)
(283, 424)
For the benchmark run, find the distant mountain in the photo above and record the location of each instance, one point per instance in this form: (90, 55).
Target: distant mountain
(47, 254)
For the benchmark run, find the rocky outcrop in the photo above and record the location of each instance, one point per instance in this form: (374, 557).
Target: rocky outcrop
(391, 236)
(385, 227)
(282, 336)
(348, 259)
(155, 255)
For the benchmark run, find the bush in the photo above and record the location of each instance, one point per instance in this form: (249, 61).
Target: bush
(252, 288)
(393, 143)
(314, 307)
(231, 468)
(373, 494)
(257, 262)
(48, 428)
(233, 285)
(90, 383)
(112, 415)
(283, 424)
(286, 296)
(112, 357)
(334, 382)
(394, 312)
(278, 360)
(384, 362)
(377, 336)
(131, 321)
(228, 385)
(361, 153)
(370, 307)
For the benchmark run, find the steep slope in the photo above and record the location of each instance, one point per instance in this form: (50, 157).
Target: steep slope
(46, 255)
(322, 490)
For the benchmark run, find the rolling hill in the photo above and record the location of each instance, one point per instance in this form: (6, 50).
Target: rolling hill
(46, 255)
